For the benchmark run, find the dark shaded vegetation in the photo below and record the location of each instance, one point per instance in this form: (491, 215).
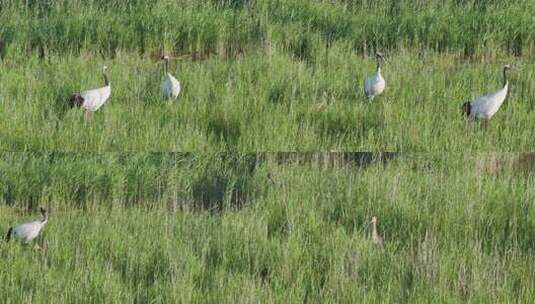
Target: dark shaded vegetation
(217, 182)
(231, 27)
(222, 181)
(226, 181)
(225, 127)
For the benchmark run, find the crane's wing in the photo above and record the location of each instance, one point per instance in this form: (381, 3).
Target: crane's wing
(28, 230)
(75, 100)
(367, 86)
(94, 99)
(487, 105)
(171, 86)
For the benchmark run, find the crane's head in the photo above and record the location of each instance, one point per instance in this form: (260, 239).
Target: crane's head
(466, 109)
(164, 57)
(44, 218)
(507, 67)
(374, 220)
(380, 55)
(104, 68)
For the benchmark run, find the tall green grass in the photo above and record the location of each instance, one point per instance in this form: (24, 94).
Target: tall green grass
(229, 27)
(458, 228)
(255, 74)
(131, 221)
(265, 103)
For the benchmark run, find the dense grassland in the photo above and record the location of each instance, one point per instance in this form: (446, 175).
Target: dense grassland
(195, 201)
(265, 75)
(166, 228)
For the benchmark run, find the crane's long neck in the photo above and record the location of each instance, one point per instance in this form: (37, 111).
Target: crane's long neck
(166, 66)
(44, 219)
(504, 77)
(374, 230)
(378, 64)
(105, 75)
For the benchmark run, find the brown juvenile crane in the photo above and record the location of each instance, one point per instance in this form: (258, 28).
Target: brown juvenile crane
(377, 239)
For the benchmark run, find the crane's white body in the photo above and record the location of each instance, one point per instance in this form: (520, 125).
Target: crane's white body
(374, 85)
(94, 99)
(170, 86)
(484, 107)
(28, 231)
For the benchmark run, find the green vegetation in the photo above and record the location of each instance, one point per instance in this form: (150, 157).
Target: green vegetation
(265, 75)
(167, 228)
(176, 202)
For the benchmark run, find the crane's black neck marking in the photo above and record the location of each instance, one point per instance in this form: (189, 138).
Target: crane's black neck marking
(106, 82)
(9, 232)
(504, 76)
(44, 216)
(166, 65)
(378, 58)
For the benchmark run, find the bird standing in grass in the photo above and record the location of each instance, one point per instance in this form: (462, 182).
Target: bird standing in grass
(377, 239)
(26, 232)
(92, 100)
(170, 86)
(484, 107)
(375, 84)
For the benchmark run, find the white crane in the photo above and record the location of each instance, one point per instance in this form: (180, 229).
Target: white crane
(484, 107)
(375, 84)
(92, 100)
(377, 239)
(170, 86)
(28, 231)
